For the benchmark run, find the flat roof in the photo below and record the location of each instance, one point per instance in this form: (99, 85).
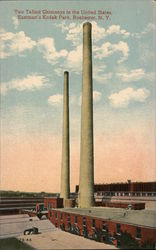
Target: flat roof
(14, 225)
(145, 218)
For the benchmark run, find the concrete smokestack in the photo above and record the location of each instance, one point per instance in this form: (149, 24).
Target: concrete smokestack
(86, 185)
(65, 172)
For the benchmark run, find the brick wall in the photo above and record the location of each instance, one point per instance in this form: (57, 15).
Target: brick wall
(53, 202)
(55, 217)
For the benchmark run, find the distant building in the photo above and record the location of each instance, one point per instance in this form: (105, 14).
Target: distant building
(124, 189)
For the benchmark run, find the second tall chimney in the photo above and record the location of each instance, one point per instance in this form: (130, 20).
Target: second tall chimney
(86, 185)
(65, 171)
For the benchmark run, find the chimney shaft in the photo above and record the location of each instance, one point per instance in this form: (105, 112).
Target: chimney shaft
(65, 172)
(86, 185)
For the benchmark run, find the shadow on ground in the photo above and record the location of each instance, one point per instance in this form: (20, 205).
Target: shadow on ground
(14, 244)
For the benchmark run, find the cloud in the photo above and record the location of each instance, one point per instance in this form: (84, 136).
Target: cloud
(3, 89)
(146, 54)
(47, 47)
(135, 75)
(74, 59)
(74, 32)
(14, 43)
(55, 100)
(63, 26)
(125, 96)
(72, 99)
(116, 29)
(59, 71)
(72, 62)
(98, 32)
(150, 27)
(15, 22)
(96, 96)
(100, 76)
(30, 83)
(80, 100)
(107, 49)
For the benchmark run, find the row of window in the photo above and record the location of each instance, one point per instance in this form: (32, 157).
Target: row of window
(84, 220)
(104, 227)
(125, 194)
(51, 205)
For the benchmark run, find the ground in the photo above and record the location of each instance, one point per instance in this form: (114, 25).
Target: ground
(14, 244)
(62, 240)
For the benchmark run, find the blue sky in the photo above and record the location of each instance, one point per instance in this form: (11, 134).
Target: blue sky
(35, 53)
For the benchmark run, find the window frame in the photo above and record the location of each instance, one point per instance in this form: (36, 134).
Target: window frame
(61, 216)
(75, 219)
(93, 223)
(138, 234)
(84, 221)
(104, 226)
(118, 228)
(68, 218)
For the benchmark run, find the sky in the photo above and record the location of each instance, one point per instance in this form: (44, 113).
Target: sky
(33, 57)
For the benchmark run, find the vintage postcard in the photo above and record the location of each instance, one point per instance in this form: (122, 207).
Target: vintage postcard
(78, 124)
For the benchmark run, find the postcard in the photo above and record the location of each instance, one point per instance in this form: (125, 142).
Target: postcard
(78, 119)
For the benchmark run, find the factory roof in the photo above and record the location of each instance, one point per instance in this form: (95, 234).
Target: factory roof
(145, 218)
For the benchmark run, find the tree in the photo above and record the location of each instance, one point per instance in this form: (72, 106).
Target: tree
(149, 244)
(126, 241)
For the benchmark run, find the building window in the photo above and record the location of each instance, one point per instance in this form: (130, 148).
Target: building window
(54, 204)
(138, 233)
(75, 219)
(104, 227)
(84, 221)
(61, 216)
(93, 223)
(56, 215)
(68, 218)
(118, 228)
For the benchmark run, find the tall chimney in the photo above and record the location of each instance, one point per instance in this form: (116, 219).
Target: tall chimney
(65, 172)
(86, 185)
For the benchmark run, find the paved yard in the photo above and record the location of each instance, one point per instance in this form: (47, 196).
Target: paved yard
(62, 240)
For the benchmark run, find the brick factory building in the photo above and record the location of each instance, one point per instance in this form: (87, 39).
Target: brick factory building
(53, 202)
(106, 221)
(125, 189)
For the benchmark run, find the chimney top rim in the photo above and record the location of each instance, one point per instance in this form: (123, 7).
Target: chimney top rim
(87, 24)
